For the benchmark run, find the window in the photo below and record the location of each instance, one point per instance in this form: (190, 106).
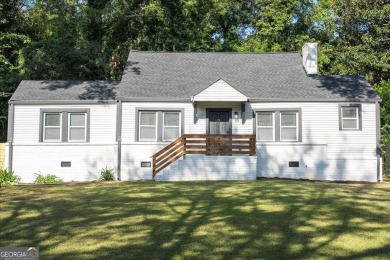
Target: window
(77, 128)
(278, 125)
(148, 126)
(52, 127)
(350, 118)
(171, 126)
(288, 126)
(70, 125)
(159, 125)
(265, 126)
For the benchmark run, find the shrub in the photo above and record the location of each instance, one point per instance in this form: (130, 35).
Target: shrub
(107, 174)
(8, 177)
(48, 179)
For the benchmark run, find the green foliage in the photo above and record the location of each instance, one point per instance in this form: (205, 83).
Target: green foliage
(8, 177)
(361, 41)
(107, 174)
(48, 179)
(12, 40)
(383, 89)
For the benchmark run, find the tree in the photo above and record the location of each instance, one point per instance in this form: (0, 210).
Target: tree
(12, 40)
(361, 42)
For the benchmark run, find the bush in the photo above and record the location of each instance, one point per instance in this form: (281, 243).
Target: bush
(48, 179)
(107, 174)
(8, 177)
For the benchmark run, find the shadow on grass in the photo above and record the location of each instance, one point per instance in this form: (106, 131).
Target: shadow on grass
(221, 220)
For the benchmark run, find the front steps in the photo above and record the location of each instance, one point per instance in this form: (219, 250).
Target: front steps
(202, 167)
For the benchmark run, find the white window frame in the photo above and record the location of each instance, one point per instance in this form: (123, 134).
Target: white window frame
(265, 127)
(77, 127)
(163, 126)
(44, 127)
(139, 126)
(349, 118)
(289, 127)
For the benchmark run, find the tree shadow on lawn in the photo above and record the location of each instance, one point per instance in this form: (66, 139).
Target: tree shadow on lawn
(220, 220)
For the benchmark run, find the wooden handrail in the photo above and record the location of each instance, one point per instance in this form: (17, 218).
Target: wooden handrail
(203, 144)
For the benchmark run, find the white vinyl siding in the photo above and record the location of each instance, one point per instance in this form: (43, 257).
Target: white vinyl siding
(325, 152)
(147, 126)
(30, 154)
(349, 117)
(52, 127)
(171, 126)
(266, 126)
(288, 126)
(320, 125)
(102, 122)
(77, 127)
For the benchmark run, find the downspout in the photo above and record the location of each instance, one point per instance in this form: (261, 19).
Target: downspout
(10, 134)
(378, 143)
(119, 137)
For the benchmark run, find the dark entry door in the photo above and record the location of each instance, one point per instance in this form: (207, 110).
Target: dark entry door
(219, 123)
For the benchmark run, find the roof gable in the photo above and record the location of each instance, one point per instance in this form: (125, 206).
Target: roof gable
(220, 91)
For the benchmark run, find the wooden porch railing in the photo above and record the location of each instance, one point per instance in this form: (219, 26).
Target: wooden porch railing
(203, 144)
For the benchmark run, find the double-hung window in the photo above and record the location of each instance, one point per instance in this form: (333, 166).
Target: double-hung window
(159, 125)
(52, 127)
(147, 126)
(64, 125)
(77, 127)
(278, 125)
(288, 126)
(266, 126)
(171, 126)
(350, 117)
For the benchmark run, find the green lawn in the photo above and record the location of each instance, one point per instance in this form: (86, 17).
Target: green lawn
(263, 219)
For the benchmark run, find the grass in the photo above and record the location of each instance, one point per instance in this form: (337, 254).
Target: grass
(266, 219)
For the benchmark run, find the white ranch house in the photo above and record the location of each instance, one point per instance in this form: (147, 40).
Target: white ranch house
(234, 116)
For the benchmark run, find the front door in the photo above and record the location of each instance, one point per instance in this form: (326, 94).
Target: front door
(219, 123)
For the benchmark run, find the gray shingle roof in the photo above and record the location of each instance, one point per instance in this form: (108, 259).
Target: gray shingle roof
(164, 76)
(269, 76)
(34, 90)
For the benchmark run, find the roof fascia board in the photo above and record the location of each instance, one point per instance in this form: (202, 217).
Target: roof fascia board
(156, 99)
(315, 100)
(61, 102)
